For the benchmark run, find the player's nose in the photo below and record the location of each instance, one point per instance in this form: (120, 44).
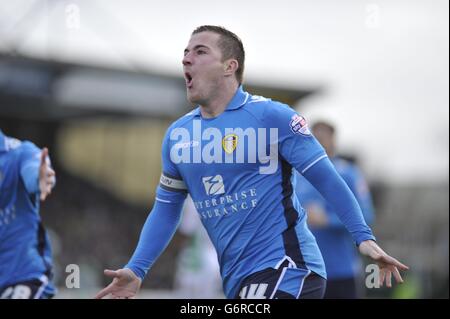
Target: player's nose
(187, 59)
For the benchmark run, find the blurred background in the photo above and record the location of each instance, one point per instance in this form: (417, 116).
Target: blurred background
(98, 82)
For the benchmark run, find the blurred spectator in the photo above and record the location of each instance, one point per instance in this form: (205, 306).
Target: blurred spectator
(335, 242)
(198, 273)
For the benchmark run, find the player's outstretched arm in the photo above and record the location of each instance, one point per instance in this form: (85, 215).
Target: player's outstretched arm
(156, 234)
(125, 284)
(327, 181)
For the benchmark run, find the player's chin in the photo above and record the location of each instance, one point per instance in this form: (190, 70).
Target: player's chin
(192, 97)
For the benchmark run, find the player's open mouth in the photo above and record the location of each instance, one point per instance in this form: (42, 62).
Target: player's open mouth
(188, 78)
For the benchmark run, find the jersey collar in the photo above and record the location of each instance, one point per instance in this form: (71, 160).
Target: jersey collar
(239, 99)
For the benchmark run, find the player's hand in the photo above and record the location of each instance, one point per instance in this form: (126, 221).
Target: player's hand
(125, 284)
(46, 175)
(388, 265)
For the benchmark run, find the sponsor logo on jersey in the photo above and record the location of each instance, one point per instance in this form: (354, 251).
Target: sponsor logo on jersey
(214, 185)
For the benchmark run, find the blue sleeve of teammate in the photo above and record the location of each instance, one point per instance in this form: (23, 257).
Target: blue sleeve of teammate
(29, 167)
(156, 234)
(324, 177)
(360, 188)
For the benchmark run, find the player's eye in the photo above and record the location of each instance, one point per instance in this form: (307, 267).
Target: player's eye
(201, 52)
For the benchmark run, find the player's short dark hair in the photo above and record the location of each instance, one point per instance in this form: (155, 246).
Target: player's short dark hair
(324, 125)
(230, 45)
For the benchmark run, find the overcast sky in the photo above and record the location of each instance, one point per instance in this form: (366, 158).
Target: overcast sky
(383, 65)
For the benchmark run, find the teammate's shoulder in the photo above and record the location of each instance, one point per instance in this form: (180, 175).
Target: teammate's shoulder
(20, 148)
(29, 151)
(12, 143)
(15, 145)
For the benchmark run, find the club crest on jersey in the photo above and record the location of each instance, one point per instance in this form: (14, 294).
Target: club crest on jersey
(299, 125)
(229, 143)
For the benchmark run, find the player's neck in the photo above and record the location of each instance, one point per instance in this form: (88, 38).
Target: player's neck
(217, 105)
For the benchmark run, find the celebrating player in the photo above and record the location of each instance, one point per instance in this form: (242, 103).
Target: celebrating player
(235, 154)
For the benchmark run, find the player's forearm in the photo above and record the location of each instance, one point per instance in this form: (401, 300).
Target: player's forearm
(335, 223)
(327, 181)
(156, 234)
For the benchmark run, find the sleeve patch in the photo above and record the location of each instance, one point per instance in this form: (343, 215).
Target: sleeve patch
(299, 125)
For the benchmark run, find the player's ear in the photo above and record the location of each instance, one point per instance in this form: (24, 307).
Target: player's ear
(230, 66)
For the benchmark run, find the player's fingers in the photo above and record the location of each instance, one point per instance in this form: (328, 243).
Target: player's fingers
(47, 190)
(50, 172)
(44, 155)
(102, 293)
(51, 181)
(397, 276)
(43, 196)
(400, 265)
(382, 275)
(388, 278)
(394, 262)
